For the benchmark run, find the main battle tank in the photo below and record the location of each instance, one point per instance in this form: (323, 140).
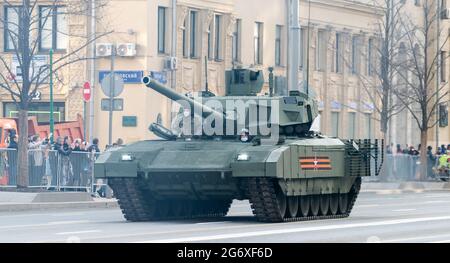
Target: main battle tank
(287, 174)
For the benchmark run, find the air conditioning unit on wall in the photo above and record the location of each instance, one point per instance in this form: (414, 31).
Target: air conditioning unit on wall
(171, 63)
(103, 49)
(126, 49)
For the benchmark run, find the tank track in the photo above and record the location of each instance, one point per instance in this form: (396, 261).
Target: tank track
(137, 206)
(265, 206)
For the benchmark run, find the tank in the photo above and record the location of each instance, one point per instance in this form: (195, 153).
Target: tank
(285, 170)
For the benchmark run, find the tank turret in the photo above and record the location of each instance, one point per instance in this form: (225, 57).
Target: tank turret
(293, 114)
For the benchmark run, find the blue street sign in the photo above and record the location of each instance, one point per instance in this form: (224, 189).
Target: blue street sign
(129, 77)
(159, 76)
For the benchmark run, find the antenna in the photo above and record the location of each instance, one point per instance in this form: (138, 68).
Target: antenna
(206, 75)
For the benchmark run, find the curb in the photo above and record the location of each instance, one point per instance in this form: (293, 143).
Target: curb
(16, 207)
(405, 187)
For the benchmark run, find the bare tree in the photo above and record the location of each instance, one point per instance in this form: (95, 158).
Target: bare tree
(32, 27)
(418, 73)
(378, 80)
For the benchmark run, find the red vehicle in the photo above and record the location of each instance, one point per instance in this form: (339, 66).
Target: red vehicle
(73, 129)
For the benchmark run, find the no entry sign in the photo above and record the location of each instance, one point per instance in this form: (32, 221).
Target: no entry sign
(87, 91)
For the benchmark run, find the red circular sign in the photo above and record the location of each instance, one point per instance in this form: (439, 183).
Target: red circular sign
(87, 91)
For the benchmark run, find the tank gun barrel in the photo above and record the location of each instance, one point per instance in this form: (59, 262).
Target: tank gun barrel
(171, 94)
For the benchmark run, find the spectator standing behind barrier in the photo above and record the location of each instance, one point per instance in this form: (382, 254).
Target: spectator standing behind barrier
(4, 174)
(36, 162)
(431, 161)
(12, 156)
(64, 164)
(47, 178)
(94, 150)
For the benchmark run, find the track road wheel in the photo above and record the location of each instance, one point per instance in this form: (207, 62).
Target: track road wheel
(324, 204)
(304, 205)
(343, 203)
(163, 209)
(315, 205)
(282, 203)
(292, 206)
(178, 208)
(334, 204)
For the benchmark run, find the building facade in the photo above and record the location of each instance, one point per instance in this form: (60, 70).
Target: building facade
(177, 46)
(404, 129)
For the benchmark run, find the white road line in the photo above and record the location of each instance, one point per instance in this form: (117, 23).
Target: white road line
(441, 242)
(368, 206)
(78, 232)
(297, 230)
(46, 224)
(404, 210)
(414, 238)
(211, 223)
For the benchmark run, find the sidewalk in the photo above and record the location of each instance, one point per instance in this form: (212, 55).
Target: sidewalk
(15, 202)
(403, 187)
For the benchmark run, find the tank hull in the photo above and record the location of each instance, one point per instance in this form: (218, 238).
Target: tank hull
(161, 179)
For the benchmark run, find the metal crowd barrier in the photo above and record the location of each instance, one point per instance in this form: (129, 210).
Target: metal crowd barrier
(402, 167)
(51, 171)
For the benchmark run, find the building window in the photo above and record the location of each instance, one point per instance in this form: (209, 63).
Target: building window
(278, 36)
(351, 125)
(321, 50)
(39, 109)
(303, 44)
(236, 41)
(11, 27)
(162, 30)
(193, 34)
(53, 28)
(338, 54)
(368, 125)
(184, 40)
(443, 66)
(258, 41)
(370, 53)
(335, 124)
(218, 37)
(210, 41)
(356, 55)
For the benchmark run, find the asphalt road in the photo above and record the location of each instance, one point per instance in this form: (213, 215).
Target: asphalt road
(423, 217)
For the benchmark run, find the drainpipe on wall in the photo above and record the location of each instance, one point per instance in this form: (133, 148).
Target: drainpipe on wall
(92, 74)
(293, 48)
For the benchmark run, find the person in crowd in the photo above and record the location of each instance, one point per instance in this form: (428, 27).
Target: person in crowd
(94, 147)
(399, 149)
(119, 142)
(443, 149)
(13, 140)
(64, 163)
(4, 175)
(84, 146)
(37, 160)
(46, 181)
(431, 161)
(389, 149)
(77, 145)
(443, 160)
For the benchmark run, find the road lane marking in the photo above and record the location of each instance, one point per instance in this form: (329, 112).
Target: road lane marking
(441, 242)
(212, 223)
(404, 210)
(57, 223)
(368, 206)
(78, 232)
(414, 238)
(297, 230)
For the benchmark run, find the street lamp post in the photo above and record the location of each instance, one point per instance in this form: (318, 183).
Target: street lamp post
(52, 121)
